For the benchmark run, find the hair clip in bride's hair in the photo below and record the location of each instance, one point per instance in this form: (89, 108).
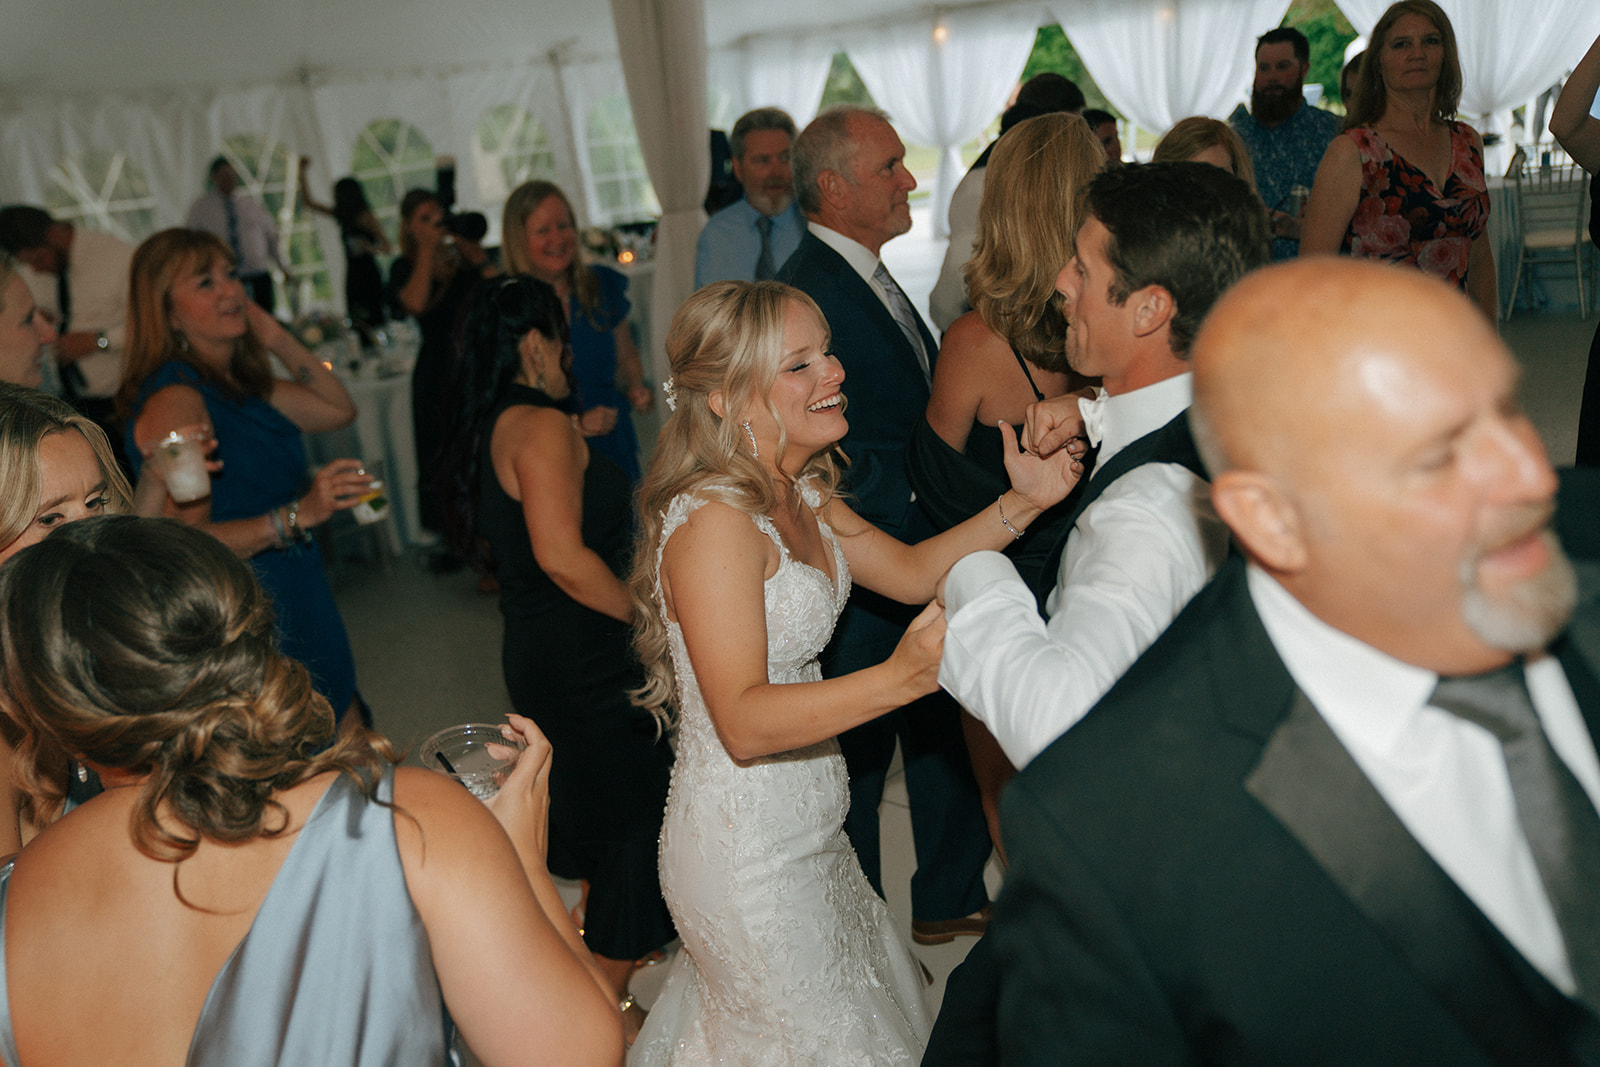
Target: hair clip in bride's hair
(670, 391)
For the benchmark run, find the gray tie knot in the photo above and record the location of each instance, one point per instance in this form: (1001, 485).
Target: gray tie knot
(1498, 701)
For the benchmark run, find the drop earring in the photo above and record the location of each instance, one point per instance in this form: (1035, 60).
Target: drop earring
(755, 452)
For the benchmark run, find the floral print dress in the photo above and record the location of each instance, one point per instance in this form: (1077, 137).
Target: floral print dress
(1404, 218)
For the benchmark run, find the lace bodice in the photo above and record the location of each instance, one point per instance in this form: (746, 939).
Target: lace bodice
(802, 606)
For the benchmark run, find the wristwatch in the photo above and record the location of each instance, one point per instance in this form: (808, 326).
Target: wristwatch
(101, 341)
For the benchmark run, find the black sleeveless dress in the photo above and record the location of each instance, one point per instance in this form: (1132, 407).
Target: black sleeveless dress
(953, 486)
(569, 669)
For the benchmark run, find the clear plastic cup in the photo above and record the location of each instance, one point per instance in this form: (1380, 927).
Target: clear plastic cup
(374, 504)
(476, 754)
(180, 460)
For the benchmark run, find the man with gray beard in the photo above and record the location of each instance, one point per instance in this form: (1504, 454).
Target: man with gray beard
(1344, 810)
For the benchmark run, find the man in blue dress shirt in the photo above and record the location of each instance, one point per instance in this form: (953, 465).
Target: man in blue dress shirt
(749, 241)
(1286, 137)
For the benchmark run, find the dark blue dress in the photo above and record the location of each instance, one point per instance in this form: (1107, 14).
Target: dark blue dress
(263, 467)
(594, 367)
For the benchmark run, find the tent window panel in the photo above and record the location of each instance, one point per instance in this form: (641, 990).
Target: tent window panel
(511, 147)
(389, 158)
(622, 187)
(105, 191)
(269, 172)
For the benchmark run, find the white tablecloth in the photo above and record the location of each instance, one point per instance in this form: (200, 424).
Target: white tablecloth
(383, 431)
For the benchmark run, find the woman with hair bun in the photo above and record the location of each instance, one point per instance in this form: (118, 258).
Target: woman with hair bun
(251, 888)
(557, 514)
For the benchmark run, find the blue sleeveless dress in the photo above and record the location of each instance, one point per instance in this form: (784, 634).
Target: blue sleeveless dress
(336, 968)
(264, 467)
(594, 367)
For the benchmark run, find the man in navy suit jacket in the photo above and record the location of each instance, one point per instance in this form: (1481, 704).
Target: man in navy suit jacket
(852, 185)
(1272, 841)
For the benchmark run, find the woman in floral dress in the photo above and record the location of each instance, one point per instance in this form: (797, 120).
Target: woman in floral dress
(1404, 183)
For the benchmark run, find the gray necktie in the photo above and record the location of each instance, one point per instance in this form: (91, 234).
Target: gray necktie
(233, 233)
(1557, 816)
(904, 315)
(764, 260)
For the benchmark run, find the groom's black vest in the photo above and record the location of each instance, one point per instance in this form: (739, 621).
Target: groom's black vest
(1172, 443)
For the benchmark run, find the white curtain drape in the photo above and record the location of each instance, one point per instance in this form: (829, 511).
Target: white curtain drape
(663, 47)
(1159, 61)
(943, 78)
(775, 72)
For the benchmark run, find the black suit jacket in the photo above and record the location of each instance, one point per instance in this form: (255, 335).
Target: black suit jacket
(1201, 874)
(884, 384)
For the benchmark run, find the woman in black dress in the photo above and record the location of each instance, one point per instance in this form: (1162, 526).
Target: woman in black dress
(363, 240)
(431, 282)
(558, 518)
(1579, 133)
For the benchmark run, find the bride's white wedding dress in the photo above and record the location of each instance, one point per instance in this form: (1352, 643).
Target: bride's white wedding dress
(788, 956)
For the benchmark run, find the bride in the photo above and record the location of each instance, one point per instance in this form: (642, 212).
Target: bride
(746, 559)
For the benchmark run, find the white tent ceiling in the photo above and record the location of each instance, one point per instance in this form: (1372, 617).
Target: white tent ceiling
(61, 46)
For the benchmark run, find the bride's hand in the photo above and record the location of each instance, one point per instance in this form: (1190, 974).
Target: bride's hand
(1042, 482)
(916, 657)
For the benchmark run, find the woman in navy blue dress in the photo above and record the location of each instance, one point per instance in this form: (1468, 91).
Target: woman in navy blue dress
(539, 237)
(199, 355)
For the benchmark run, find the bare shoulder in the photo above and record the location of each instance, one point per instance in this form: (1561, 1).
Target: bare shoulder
(1342, 152)
(971, 346)
(527, 437)
(439, 826)
(716, 529)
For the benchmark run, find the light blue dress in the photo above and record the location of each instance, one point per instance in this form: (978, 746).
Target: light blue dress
(336, 968)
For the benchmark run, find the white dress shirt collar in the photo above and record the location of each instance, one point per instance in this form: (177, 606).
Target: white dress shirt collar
(1443, 777)
(1115, 422)
(1361, 691)
(862, 259)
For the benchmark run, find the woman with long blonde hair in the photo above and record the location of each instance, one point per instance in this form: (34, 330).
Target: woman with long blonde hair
(746, 560)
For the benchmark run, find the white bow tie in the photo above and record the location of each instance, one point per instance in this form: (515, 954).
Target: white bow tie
(1094, 418)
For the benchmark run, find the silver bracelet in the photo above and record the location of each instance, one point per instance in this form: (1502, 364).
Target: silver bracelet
(1000, 502)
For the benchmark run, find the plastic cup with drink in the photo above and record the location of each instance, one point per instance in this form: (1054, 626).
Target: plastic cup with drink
(374, 503)
(179, 460)
(476, 754)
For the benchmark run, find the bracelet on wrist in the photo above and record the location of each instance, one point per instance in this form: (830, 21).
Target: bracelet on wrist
(1000, 502)
(280, 536)
(297, 532)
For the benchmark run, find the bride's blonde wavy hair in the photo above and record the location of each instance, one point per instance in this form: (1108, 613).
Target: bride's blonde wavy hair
(145, 646)
(727, 338)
